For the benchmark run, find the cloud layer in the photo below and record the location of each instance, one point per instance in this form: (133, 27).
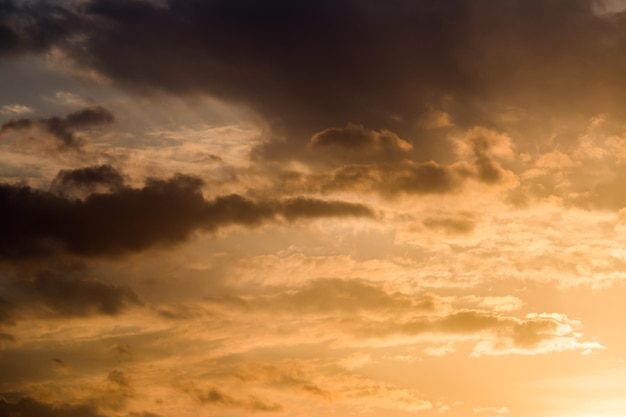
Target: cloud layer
(163, 212)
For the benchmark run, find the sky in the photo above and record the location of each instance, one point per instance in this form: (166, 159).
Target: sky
(285, 208)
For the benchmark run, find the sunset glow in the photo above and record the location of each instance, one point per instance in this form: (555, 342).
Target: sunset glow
(303, 208)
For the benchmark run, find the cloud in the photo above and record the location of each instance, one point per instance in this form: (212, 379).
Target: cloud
(406, 177)
(360, 314)
(460, 225)
(63, 128)
(119, 378)
(28, 407)
(356, 144)
(303, 207)
(15, 109)
(27, 28)
(608, 7)
(434, 119)
(60, 291)
(6, 309)
(162, 212)
(307, 67)
(325, 296)
(86, 181)
(6, 337)
(69, 99)
(71, 296)
(216, 397)
(401, 178)
(485, 146)
(497, 334)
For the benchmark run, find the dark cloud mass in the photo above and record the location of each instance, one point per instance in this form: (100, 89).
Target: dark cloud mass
(63, 128)
(308, 66)
(354, 143)
(37, 223)
(87, 180)
(33, 26)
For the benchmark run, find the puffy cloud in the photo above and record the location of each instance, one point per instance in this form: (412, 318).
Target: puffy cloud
(354, 143)
(63, 128)
(484, 146)
(86, 181)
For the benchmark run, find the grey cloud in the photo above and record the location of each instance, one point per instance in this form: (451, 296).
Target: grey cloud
(307, 66)
(33, 26)
(356, 144)
(85, 181)
(63, 128)
(478, 148)
(163, 212)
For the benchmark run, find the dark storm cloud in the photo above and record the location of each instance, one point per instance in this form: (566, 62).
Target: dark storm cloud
(28, 407)
(33, 26)
(163, 212)
(63, 128)
(87, 180)
(308, 66)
